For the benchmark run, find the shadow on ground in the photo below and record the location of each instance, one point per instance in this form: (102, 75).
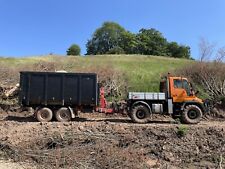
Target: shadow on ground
(20, 119)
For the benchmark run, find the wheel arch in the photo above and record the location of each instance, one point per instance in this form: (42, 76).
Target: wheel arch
(142, 103)
(200, 105)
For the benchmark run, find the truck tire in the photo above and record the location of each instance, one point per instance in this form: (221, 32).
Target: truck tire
(192, 114)
(44, 114)
(63, 115)
(140, 114)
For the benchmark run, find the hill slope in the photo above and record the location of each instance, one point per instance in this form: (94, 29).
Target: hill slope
(138, 73)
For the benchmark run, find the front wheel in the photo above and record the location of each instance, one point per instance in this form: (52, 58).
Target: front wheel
(140, 114)
(192, 114)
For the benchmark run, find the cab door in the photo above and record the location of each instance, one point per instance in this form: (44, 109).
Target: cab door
(178, 90)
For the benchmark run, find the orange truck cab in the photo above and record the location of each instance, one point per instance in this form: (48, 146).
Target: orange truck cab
(176, 98)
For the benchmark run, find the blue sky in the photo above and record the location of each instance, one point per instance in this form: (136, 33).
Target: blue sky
(38, 27)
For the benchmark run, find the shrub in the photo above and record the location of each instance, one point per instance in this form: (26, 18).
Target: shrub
(209, 77)
(74, 50)
(182, 131)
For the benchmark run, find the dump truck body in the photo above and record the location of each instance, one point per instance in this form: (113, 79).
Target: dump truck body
(58, 89)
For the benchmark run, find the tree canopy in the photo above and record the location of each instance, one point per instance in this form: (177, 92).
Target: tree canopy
(74, 49)
(105, 38)
(178, 51)
(112, 38)
(151, 42)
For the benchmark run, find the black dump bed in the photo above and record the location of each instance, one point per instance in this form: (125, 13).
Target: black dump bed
(58, 89)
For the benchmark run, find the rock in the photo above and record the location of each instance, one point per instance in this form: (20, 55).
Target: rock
(66, 124)
(153, 163)
(168, 156)
(81, 128)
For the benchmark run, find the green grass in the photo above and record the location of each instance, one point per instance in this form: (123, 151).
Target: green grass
(182, 131)
(143, 72)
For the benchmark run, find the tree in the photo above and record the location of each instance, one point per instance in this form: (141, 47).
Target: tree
(74, 50)
(220, 56)
(105, 38)
(151, 42)
(111, 38)
(116, 50)
(206, 49)
(178, 51)
(129, 43)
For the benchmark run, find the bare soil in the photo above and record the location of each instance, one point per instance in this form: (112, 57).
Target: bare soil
(110, 141)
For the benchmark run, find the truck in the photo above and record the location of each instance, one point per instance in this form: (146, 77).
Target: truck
(176, 98)
(61, 95)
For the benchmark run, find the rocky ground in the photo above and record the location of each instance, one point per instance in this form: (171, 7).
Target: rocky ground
(112, 141)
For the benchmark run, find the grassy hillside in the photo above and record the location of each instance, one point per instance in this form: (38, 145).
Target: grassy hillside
(142, 73)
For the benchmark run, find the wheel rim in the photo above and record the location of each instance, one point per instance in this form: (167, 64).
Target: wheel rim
(192, 114)
(64, 115)
(44, 114)
(140, 114)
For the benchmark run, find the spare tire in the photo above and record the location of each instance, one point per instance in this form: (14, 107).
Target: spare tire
(44, 114)
(192, 114)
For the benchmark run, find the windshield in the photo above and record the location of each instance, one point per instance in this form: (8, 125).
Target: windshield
(182, 84)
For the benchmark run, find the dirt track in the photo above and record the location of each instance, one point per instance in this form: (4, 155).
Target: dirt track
(95, 141)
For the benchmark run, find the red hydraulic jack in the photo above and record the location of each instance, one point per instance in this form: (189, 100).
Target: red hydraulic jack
(103, 104)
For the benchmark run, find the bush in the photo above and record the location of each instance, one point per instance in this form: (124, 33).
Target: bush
(74, 50)
(114, 81)
(209, 77)
(182, 131)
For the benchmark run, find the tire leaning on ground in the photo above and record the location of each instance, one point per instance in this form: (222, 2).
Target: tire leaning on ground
(140, 114)
(63, 115)
(192, 114)
(44, 114)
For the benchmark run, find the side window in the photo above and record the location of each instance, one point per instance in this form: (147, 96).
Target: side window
(177, 83)
(187, 87)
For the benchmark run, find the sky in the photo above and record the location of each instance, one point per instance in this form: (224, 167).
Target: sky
(40, 27)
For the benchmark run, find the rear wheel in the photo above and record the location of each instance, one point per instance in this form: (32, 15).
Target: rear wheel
(192, 114)
(140, 114)
(44, 114)
(63, 115)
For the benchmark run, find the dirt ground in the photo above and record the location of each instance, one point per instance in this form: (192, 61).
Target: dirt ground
(109, 141)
